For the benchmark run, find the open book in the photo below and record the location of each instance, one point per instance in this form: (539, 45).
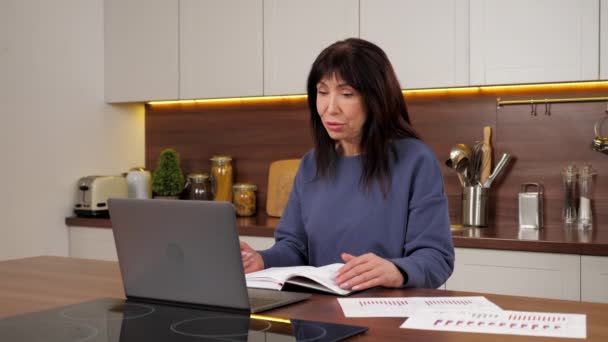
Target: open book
(318, 278)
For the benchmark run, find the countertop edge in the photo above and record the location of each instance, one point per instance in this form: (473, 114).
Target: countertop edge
(543, 246)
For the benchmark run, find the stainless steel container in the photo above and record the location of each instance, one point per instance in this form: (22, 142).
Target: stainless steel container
(531, 206)
(475, 206)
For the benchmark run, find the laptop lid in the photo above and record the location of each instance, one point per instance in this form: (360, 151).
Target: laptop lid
(179, 251)
(186, 252)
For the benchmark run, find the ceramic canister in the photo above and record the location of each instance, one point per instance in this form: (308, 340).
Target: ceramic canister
(139, 183)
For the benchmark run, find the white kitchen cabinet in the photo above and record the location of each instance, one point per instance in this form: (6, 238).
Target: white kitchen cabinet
(604, 40)
(545, 275)
(98, 243)
(141, 52)
(426, 41)
(221, 48)
(182, 49)
(525, 41)
(594, 279)
(295, 32)
(92, 243)
(258, 243)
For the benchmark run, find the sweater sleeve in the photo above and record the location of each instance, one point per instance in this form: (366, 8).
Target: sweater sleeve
(429, 251)
(290, 248)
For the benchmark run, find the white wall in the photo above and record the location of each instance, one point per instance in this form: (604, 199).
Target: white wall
(54, 124)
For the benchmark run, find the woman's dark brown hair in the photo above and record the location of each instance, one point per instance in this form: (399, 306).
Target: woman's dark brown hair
(366, 68)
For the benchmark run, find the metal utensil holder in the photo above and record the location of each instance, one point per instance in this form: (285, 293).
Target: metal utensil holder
(475, 206)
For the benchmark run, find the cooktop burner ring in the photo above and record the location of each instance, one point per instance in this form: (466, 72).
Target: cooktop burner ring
(322, 332)
(145, 310)
(175, 329)
(45, 330)
(94, 333)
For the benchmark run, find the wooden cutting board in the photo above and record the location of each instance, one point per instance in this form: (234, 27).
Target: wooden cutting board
(280, 180)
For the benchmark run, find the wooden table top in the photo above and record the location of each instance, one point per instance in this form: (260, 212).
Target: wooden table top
(39, 283)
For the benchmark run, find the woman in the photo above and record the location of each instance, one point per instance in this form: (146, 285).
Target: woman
(371, 193)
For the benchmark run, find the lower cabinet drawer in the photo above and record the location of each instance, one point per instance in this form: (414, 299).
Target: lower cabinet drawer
(594, 279)
(545, 275)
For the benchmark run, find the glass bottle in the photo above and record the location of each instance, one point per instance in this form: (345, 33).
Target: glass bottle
(585, 184)
(198, 187)
(221, 171)
(244, 199)
(569, 188)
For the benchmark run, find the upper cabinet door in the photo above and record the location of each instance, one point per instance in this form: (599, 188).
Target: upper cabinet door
(604, 40)
(141, 52)
(295, 32)
(427, 41)
(220, 48)
(525, 41)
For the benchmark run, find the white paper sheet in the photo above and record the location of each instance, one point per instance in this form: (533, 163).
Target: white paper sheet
(505, 322)
(406, 306)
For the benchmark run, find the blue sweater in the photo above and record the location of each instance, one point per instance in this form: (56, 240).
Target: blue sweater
(410, 227)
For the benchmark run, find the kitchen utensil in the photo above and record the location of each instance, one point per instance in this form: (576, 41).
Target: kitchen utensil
(459, 154)
(459, 160)
(504, 160)
(531, 206)
(475, 206)
(280, 180)
(474, 168)
(486, 150)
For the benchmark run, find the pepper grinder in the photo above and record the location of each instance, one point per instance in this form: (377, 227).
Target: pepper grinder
(585, 183)
(569, 187)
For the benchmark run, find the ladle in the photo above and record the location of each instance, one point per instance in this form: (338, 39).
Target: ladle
(459, 161)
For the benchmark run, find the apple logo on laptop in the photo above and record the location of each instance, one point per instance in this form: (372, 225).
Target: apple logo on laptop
(175, 253)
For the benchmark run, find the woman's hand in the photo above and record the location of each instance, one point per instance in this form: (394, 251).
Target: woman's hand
(366, 271)
(252, 260)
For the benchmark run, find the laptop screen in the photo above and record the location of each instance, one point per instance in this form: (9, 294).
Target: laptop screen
(179, 251)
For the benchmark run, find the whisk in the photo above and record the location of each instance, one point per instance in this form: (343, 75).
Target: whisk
(474, 167)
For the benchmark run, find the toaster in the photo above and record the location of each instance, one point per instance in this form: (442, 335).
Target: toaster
(92, 193)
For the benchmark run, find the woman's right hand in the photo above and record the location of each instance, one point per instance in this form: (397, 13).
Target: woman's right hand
(252, 260)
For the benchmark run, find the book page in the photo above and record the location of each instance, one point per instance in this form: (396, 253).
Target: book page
(324, 276)
(273, 278)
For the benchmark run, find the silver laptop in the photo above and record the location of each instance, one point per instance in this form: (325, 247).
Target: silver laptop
(185, 252)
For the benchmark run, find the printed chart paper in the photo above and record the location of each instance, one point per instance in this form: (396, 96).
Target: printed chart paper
(505, 322)
(407, 306)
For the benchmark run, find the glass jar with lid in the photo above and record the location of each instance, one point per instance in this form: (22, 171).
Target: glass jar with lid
(244, 199)
(198, 187)
(221, 172)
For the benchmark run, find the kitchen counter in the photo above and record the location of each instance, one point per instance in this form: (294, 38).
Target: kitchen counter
(39, 283)
(550, 239)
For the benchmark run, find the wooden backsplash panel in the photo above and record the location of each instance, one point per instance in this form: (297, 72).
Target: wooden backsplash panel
(543, 145)
(256, 134)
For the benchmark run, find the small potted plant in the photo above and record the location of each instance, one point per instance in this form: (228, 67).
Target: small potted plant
(168, 179)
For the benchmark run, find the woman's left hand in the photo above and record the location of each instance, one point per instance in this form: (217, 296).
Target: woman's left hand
(366, 271)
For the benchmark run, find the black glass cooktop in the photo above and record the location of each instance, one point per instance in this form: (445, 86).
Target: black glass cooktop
(113, 320)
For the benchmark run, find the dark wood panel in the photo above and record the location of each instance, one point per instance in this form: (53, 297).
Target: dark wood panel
(257, 133)
(253, 136)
